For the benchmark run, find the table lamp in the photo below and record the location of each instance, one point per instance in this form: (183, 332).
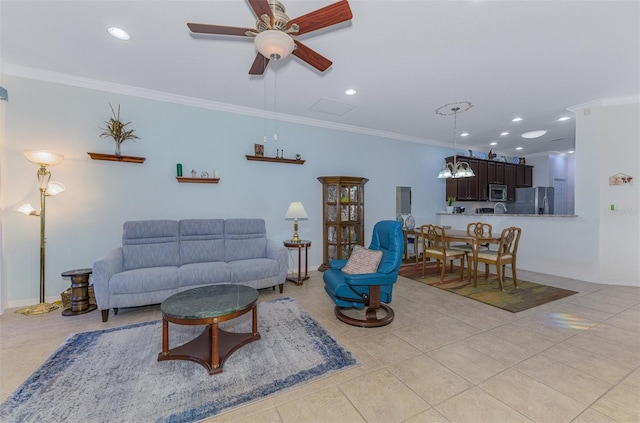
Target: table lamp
(47, 189)
(295, 211)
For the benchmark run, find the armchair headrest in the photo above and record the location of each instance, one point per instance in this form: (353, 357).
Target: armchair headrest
(388, 237)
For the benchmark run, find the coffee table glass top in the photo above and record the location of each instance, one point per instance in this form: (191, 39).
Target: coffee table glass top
(209, 301)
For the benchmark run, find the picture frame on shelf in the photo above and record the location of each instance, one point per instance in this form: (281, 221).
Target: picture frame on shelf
(258, 150)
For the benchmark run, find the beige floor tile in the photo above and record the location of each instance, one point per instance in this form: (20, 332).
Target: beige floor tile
(428, 416)
(592, 416)
(535, 400)
(632, 382)
(436, 333)
(381, 397)
(329, 405)
(620, 404)
(477, 406)
(500, 349)
(522, 336)
(427, 319)
(568, 380)
(429, 379)
(606, 348)
(388, 348)
(467, 362)
(588, 362)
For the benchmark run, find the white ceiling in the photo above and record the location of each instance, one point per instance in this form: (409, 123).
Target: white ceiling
(512, 58)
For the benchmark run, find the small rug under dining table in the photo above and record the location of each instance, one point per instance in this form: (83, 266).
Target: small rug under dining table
(528, 295)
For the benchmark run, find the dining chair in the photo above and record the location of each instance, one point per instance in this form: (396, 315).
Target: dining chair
(434, 246)
(479, 229)
(506, 254)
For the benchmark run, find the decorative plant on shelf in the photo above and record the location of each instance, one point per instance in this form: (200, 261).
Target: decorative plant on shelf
(450, 201)
(117, 130)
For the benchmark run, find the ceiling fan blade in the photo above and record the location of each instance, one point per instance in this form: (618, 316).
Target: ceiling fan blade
(312, 57)
(259, 65)
(323, 17)
(219, 29)
(261, 7)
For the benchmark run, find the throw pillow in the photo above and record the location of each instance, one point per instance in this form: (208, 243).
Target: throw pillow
(362, 260)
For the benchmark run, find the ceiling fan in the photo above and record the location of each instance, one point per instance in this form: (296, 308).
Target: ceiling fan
(274, 30)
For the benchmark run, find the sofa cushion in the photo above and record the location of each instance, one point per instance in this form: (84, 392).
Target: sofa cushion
(204, 273)
(201, 240)
(142, 280)
(253, 269)
(244, 239)
(150, 243)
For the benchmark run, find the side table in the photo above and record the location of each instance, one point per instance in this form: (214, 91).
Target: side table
(300, 245)
(79, 292)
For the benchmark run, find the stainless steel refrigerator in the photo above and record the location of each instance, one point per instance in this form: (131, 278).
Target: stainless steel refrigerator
(536, 200)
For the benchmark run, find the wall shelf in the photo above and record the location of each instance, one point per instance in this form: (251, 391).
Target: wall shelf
(114, 158)
(274, 159)
(198, 180)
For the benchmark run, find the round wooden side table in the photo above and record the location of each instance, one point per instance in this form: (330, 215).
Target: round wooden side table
(300, 245)
(79, 292)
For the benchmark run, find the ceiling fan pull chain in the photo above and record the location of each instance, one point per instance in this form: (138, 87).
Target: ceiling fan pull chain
(275, 101)
(265, 105)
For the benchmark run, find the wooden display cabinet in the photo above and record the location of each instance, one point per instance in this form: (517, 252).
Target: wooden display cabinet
(342, 216)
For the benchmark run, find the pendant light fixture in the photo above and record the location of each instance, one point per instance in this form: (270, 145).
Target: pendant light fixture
(455, 169)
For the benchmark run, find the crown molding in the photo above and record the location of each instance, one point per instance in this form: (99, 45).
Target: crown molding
(111, 87)
(605, 102)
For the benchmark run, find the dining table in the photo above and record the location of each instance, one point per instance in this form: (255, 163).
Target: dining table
(459, 235)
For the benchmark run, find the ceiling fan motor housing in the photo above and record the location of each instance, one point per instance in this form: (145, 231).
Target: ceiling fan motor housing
(280, 21)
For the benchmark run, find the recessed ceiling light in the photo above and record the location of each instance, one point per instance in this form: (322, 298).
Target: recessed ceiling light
(570, 151)
(533, 134)
(120, 34)
(518, 148)
(504, 133)
(493, 143)
(464, 134)
(516, 119)
(350, 91)
(563, 118)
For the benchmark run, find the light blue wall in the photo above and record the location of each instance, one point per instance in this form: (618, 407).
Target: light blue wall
(85, 222)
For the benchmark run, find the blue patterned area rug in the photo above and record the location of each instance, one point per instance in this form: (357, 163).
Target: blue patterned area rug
(113, 375)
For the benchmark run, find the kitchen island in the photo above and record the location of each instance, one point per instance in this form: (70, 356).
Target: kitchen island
(547, 244)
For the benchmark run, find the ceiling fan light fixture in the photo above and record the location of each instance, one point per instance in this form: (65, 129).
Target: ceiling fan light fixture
(274, 44)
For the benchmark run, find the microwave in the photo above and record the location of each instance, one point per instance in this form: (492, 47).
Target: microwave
(497, 192)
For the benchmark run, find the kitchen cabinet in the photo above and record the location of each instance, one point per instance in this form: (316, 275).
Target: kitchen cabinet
(524, 176)
(464, 189)
(342, 217)
(495, 173)
(510, 181)
(488, 172)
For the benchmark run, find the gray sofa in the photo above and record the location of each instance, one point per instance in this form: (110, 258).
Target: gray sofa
(159, 258)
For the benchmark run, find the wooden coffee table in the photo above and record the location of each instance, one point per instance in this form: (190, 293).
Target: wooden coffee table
(209, 305)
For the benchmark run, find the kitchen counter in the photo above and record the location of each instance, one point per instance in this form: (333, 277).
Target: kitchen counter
(505, 215)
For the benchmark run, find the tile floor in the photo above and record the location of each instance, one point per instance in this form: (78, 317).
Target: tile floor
(444, 358)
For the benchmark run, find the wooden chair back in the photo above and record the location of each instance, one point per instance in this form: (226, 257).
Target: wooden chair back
(480, 229)
(509, 240)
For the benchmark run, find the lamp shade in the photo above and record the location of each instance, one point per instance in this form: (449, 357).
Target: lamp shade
(26, 209)
(43, 158)
(274, 44)
(296, 211)
(55, 188)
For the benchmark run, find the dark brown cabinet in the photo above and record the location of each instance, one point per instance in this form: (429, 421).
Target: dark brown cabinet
(510, 181)
(524, 176)
(342, 216)
(488, 172)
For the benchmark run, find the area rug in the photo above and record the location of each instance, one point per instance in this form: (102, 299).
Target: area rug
(113, 375)
(528, 294)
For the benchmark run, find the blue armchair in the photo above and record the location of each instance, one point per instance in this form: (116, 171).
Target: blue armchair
(355, 291)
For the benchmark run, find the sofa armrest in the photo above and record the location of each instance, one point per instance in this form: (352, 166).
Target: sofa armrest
(278, 252)
(103, 269)
(338, 264)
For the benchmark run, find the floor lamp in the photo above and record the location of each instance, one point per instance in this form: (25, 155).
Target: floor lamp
(47, 189)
